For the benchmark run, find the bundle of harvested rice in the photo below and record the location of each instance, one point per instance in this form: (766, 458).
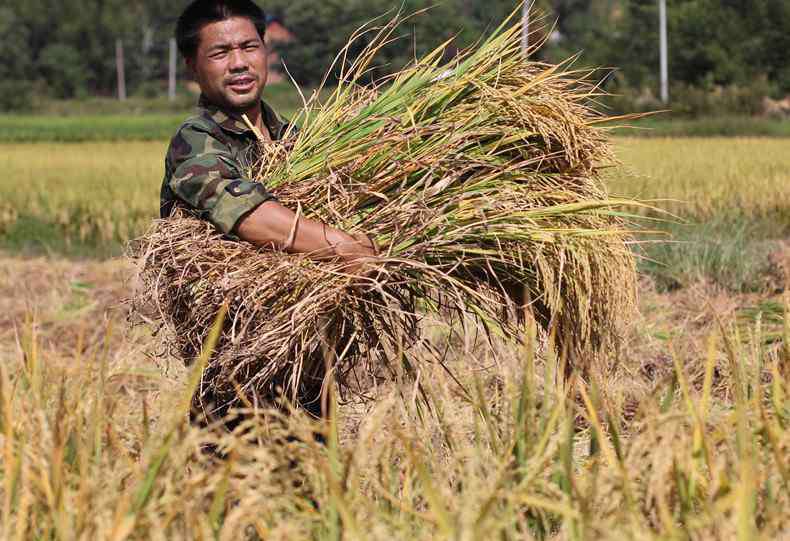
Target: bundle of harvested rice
(479, 181)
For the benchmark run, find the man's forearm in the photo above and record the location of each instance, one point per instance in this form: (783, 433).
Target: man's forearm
(271, 224)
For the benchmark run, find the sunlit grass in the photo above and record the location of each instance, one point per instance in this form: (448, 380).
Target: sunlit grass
(79, 129)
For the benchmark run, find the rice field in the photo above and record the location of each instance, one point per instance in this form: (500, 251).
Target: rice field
(58, 197)
(684, 434)
(712, 179)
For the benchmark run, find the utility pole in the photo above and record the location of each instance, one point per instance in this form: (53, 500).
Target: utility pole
(662, 16)
(525, 7)
(119, 66)
(171, 80)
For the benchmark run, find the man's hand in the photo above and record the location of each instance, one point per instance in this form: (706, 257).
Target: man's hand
(359, 253)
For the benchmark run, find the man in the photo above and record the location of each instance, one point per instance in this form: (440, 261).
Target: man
(222, 42)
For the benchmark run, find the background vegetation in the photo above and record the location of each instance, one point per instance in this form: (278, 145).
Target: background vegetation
(724, 56)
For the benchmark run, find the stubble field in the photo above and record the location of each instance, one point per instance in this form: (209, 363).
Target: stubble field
(685, 433)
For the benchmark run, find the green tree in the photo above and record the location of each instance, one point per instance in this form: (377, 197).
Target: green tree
(67, 47)
(63, 68)
(16, 68)
(323, 29)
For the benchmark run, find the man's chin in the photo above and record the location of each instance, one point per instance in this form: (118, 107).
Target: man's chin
(243, 103)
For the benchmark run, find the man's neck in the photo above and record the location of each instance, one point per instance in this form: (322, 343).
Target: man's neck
(255, 114)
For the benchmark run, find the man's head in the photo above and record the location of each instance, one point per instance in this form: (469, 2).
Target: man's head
(222, 43)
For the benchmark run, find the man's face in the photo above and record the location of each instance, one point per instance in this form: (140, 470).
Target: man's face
(230, 64)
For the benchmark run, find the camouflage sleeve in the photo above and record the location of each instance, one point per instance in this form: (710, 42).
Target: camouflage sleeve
(208, 177)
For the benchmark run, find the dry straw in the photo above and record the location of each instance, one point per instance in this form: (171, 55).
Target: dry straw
(479, 180)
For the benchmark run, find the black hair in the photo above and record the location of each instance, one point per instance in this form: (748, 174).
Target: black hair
(202, 12)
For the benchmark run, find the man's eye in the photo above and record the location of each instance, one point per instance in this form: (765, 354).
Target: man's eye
(251, 47)
(218, 55)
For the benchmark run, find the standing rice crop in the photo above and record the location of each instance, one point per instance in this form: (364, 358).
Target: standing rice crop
(480, 182)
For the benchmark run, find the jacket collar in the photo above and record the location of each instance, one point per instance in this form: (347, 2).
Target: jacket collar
(234, 124)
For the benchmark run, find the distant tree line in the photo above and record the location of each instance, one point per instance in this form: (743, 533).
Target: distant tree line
(66, 48)
(731, 48)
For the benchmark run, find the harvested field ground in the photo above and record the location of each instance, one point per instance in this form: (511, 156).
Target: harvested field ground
(122, 388)
(684, 433)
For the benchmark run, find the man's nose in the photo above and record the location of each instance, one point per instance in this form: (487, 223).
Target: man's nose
(238, 60)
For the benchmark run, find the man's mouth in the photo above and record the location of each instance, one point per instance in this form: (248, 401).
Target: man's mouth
(242, 84)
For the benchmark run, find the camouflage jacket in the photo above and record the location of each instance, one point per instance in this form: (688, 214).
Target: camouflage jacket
(208, 166)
